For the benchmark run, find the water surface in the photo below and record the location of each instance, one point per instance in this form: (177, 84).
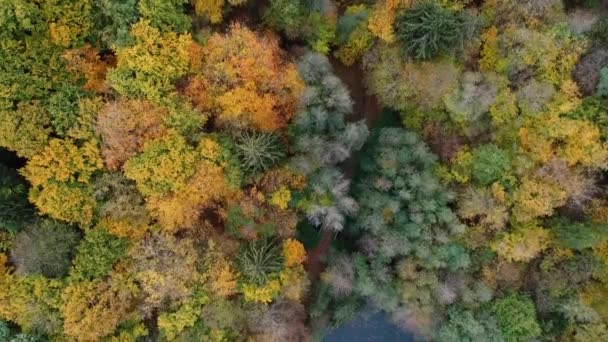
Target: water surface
(368, 328)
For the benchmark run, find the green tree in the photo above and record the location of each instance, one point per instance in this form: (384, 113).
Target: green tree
(426, 30)
(96, 255)
(15, 210)
(516, 318)
(259, 260)
(490, 164)
(464, 326)
(166, 15)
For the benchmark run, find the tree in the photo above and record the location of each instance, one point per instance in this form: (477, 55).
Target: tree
(352, 34)
(490, 164)
(165, 165)
(60, 175)
(124, 130)
(245, 82)
(320, 131)
(15, 210)
(258, 151)
(92, 310)
(166, 16)
(96, 255)
(311, 21)
(427, 30)
(293, 252)
(259, 261)
(212, 9)
(516, 318)
(323, 139)
(45, 247)
(464, 325)
(112, 20)
(121, 207)
(578, 235)
(149, 66)
(26, 129)
(165, 271)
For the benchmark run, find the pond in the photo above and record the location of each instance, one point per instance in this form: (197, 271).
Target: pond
(376, 327)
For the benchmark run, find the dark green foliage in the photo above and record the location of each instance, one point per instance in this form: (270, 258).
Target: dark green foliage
(288, 16)
(45, 247)
(259, 151)
(463, 326)
(259, 260)
(166, 15)
(112, 21)
(516, 318)
(578, 235)
(15, 209)
(96, 255)
(347, 23)
(490, 164)
(599, 32)
(427, 30)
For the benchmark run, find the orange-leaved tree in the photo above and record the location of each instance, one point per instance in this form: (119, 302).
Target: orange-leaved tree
(245, 82)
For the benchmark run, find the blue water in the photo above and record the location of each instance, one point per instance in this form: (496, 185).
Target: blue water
(373, 328)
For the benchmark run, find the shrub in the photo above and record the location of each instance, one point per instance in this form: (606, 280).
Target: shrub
(44, 247)
(259, 260)
(258, 151)
(427, 30)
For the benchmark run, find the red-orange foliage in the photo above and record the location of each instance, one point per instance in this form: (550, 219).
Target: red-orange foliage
(125, 126)
(87, 61)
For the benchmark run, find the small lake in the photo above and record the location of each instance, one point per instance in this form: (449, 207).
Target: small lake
(376, 327)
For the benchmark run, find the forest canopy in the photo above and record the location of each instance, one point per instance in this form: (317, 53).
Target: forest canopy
(242, 170)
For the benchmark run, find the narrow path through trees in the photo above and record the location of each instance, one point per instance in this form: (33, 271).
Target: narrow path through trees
(365, 107)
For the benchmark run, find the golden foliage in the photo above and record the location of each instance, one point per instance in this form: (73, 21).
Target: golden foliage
(262, 294)
(64, 201)
(383, 16)
(165, 165)
(550, 136)
(244, 81)
(281, 197)
(222, 278)
(63, 161)
(294, 253)
(536, 198)
(522, 245)
(150, 66)
(295, 283)
(92, 310)
(489, 50)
